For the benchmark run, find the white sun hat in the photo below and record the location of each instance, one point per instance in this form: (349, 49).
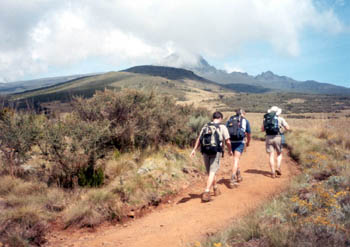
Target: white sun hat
(275, 109)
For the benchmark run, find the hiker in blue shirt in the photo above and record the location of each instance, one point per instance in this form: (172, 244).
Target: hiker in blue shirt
(240, 135)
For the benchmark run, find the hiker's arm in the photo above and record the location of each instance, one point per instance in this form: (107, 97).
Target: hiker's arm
(262, 128)
(248, 139)
(196, 145)
(286, 126)
(228, 145)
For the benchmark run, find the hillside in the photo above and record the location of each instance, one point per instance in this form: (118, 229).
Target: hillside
(170, 73)
(187, 88)
(184, 85)
(21, 86)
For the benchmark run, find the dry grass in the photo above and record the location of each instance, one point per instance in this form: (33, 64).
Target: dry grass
(135, 180)
(199, 97)
(28, 207)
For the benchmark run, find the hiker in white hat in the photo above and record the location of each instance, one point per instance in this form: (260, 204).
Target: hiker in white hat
(274, 125)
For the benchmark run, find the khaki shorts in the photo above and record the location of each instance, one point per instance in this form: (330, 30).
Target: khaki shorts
(274, 143)
(212, 162)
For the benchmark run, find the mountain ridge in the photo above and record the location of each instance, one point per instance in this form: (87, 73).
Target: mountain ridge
(22, 86)
(267, 79)
(197, 68)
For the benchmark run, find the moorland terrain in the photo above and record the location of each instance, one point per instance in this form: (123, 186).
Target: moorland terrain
(105, 159)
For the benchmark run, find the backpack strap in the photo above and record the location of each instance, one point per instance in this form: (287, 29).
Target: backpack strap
(241, 123)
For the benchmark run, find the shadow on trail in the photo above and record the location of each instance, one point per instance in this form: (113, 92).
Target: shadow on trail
(255, 171)
(225, 181)
(190, 197)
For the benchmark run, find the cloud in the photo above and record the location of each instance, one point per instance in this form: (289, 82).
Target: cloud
(42, 34)
(230, 68)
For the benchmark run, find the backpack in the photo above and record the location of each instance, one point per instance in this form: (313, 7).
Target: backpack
(235, 128)
(271, 124)
(211, 139)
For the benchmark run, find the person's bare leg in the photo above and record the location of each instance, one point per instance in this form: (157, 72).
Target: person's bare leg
(279, 162)
(211, 181)
(272, 163)
(214, 182)
(236, 157)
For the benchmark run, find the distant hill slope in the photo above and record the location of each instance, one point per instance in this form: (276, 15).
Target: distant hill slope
(21, 86)
(268, 80)
(180, 83)
(166, 72)
(247, 88)
(180, 74)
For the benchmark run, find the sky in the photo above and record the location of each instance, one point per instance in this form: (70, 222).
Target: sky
(302, 39)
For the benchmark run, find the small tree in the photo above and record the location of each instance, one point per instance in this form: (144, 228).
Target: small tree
(19, 132)
(75, 146)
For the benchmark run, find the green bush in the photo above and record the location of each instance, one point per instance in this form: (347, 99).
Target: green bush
(75, 146)
(91, 177)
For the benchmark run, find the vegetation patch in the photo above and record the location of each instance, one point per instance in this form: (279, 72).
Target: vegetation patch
(289, 102)
(113, 156)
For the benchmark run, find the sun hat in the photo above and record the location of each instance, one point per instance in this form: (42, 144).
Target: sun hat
(275, 109)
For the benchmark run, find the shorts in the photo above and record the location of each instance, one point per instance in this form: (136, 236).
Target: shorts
(274, 143)
(237, 146)
(212, 162)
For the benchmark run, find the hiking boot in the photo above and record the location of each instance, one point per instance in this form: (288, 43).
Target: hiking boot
(278, 172)
(233, 183)
(239, 177)
(217, 191)
(205, 197)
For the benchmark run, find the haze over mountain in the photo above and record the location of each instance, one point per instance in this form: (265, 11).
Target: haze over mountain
(267, 80)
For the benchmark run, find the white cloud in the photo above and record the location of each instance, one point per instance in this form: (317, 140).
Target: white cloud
(63, 33)
(231, 68)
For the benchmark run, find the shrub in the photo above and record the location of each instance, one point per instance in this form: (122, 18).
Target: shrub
(19, 132)
(98, 205)
(75, 146)
(139, 120)
(21, 226)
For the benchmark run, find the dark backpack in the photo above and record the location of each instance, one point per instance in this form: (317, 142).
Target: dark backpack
(271, 124)
(210, 139)
(235, 129)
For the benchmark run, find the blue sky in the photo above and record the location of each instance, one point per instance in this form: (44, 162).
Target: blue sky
(302, 39)
(324, 56)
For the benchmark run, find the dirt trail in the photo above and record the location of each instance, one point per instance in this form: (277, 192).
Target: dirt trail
(186, 219)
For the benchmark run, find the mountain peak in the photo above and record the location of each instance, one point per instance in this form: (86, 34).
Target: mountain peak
(187, 61)
(268, 75)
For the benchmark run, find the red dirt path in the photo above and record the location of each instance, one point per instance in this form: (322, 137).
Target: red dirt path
(186, 219)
